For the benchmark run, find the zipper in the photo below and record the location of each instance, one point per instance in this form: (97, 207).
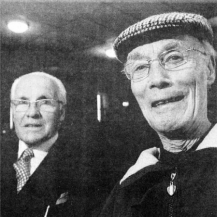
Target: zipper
(171, 190)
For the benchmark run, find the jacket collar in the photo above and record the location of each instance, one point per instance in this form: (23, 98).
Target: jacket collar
(210, 141)
(147, 162)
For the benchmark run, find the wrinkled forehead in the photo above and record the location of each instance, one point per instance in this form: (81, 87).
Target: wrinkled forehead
(158, 47)
(35, 86)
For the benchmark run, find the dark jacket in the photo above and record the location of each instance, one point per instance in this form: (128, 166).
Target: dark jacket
(144, 194)
(52, 178)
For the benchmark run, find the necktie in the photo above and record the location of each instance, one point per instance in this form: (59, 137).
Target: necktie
(22, 167)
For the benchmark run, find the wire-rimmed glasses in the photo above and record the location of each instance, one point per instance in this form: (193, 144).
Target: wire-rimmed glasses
(172, 60)
(47, 105)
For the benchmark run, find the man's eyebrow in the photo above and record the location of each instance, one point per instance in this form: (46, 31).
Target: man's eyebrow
(23, 98)
(136, 56)
(41, 97)
(140, 56)
(171, 45)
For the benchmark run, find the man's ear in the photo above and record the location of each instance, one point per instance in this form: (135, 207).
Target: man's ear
(212, 73)
(62, 113)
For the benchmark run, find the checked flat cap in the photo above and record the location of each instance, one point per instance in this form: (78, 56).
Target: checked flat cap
(159, 27)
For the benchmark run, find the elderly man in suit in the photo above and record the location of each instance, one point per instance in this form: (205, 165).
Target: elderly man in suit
(35, 171)
(170, 61)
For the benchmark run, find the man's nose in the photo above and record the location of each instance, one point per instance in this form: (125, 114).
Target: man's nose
(158, 76)
(33, 110)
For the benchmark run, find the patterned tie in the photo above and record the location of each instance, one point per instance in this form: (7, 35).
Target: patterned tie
(22, 167)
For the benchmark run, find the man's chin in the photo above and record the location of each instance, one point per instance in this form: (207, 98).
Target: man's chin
(166, 126)
(33, 142)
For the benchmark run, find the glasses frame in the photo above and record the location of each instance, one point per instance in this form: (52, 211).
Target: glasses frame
(36, 102)
(149, 62)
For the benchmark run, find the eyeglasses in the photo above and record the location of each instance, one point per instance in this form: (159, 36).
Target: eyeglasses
(170, 60)
(47, 105)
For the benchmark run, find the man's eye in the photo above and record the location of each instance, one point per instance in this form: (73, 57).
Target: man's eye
(141, 67)
(175, 57)
(23, 102)
(45, 102)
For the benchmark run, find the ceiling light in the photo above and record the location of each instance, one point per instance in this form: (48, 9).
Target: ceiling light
(18, 26)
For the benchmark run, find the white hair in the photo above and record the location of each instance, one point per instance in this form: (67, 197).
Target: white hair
(61, 89)
(206, 45)
(210, 50)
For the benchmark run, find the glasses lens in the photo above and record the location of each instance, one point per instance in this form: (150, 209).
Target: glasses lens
(48, 105)
(21, 105)
(137, 70)
(173, 59)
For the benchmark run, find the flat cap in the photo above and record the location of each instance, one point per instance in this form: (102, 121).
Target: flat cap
(159, 27)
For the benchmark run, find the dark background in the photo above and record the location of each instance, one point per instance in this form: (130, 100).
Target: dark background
(61, 36)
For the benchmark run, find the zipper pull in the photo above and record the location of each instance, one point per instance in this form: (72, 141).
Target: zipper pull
(171, 188)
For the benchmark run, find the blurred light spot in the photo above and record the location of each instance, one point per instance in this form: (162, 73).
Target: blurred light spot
(213, 21)
(18, 26)
(104, 50)
(98, 107)
(110, 53)
(4, 131)
(125, 104)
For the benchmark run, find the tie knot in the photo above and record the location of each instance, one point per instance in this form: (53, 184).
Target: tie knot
(27, 155)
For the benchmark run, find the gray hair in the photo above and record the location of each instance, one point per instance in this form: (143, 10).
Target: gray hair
(61, 89)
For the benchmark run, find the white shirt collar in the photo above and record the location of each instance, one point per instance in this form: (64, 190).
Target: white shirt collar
(39, 155)
(23, 146)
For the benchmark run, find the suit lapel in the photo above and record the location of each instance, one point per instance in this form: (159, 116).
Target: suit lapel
(43, 188)
(9, 150)
(44, 184)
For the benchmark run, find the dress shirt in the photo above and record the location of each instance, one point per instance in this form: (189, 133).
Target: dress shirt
(38, 154)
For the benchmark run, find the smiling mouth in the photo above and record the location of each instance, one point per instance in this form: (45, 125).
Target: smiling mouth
(170, 100)
(33, 125)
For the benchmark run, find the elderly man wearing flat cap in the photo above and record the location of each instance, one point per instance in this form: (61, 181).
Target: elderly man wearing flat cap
(170, 62)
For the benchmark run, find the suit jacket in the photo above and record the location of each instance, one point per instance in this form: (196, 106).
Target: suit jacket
(51, 180)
